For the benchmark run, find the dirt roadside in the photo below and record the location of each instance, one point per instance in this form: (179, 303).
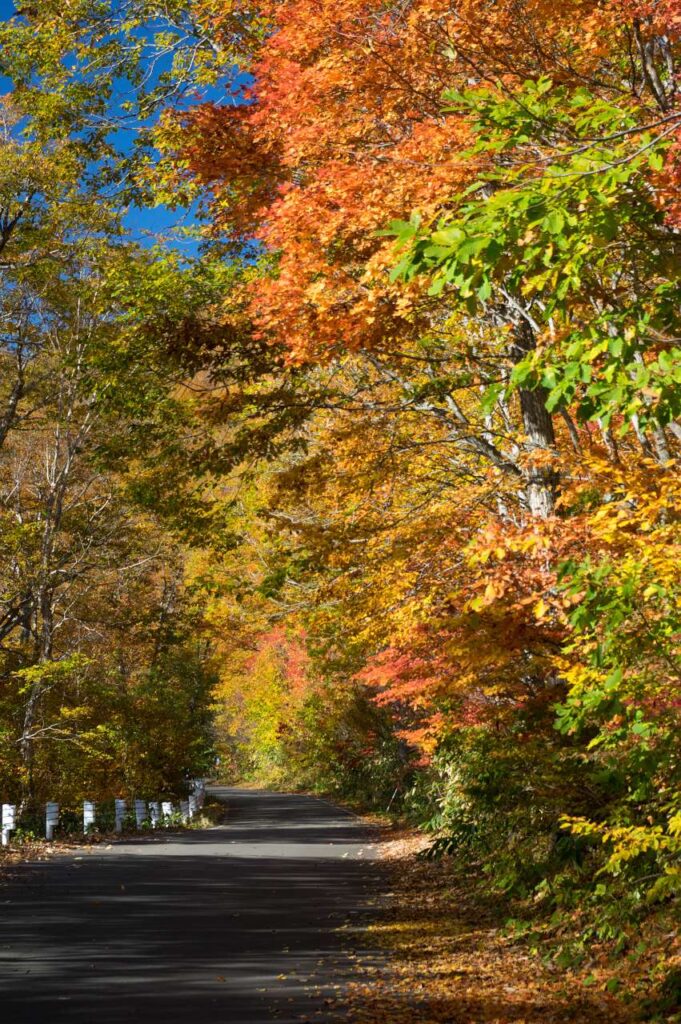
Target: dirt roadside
(449, 959)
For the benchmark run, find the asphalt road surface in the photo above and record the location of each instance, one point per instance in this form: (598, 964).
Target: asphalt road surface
(237, 924)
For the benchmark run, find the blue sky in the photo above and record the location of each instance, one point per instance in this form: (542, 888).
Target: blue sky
(145, 224)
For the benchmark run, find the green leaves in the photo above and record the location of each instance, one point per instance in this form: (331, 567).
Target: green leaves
(554, 223)
(562, 226)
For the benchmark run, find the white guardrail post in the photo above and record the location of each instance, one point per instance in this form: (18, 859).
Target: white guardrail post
(89, 810)
(140, 812)
(51, 819)
(120, 807)
(198, 792)
(158, 812)
(9, 821)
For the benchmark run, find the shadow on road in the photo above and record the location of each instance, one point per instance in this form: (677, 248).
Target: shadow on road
(229, 925)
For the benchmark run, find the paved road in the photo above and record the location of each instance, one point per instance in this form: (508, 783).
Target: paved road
(190, 928)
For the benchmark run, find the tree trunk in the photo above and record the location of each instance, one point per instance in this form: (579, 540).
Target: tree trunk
(541, 479)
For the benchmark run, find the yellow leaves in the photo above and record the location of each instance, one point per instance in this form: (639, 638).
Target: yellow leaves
(481, 555)
(580, 677)
(491, 593)
(491, 544)
(630, 841)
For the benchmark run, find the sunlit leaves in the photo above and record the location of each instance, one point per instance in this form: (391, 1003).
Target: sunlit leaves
(564, 217)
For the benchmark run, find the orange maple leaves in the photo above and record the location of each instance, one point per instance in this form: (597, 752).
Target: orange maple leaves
(344, 128)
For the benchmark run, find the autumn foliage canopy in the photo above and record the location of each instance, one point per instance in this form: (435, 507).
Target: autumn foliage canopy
(412, 411)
